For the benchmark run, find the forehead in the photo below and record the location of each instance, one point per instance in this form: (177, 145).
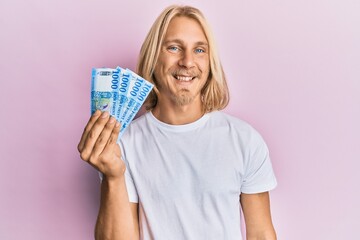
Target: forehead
(185, 28)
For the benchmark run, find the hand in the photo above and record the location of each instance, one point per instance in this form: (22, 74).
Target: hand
(98, 145)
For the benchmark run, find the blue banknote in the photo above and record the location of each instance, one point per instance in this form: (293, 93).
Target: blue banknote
(104, 89)
(119, 91)
(138, 93)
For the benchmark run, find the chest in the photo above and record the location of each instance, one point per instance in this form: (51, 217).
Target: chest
(183, 165)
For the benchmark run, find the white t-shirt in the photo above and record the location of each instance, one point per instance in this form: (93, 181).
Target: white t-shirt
(188, 178)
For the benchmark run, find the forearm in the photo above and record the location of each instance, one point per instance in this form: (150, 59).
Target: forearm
(256, 209)
(115, 219)
(270, 235)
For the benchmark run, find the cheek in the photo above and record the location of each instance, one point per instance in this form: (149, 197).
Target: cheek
(159, 67)
(204, 63)
(205, 68)
(163, 66)
(157, 74)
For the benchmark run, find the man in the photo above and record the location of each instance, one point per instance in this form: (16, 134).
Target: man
(182, 170)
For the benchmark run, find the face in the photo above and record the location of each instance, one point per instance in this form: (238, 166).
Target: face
(183, 65)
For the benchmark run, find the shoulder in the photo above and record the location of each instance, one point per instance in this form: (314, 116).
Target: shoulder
(237, 128)
(136, 127)
(226, 120)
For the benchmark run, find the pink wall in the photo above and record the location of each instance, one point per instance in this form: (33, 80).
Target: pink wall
(293, 70)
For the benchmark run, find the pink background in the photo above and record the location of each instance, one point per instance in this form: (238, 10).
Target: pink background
(293, 70)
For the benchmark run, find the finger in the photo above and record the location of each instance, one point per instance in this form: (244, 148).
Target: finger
(108, 160)
(114, 135)
(112, 141)
(102, 140)
(93, 135)
(87, 128)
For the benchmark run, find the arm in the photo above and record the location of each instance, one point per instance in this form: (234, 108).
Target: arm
(256, 209)
(117, 217)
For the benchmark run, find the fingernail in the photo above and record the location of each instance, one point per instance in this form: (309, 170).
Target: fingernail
(97, 112)
(111, 120)
(117, 124)
(104, 114)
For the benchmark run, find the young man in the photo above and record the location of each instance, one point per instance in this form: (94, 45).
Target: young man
(183, 170)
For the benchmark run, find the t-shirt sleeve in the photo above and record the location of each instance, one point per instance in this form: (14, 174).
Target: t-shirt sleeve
(130, 186)
(259, 175)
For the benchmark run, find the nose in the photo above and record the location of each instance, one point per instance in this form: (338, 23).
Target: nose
(187, 59)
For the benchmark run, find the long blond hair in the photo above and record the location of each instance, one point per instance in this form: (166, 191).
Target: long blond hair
(215, 93)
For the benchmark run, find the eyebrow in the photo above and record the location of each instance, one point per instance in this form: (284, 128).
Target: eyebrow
(179, 41)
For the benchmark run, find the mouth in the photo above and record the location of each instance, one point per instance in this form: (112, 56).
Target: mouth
(184, 78)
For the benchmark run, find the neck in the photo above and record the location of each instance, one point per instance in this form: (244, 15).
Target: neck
(178, 115)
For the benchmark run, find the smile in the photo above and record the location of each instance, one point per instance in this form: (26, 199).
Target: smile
(184, 78)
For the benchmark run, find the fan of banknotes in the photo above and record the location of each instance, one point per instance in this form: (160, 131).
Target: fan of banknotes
(119, 91)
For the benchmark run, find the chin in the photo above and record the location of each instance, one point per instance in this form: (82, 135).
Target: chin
(183, 99)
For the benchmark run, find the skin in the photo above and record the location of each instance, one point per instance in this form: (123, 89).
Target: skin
(181, 72)
(256, 209)
(117, 218)
(184, 53)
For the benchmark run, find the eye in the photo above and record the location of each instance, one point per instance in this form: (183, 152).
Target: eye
(173, 48)
(199, 50)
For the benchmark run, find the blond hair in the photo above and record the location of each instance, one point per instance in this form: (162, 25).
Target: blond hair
(215, 93)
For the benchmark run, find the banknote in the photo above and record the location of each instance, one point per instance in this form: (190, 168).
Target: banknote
(134, 87)
(138, 93)
(125, 79)
(104, 89)
(119, 91)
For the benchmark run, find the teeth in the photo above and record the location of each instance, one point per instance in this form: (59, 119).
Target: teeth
(183, 78)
